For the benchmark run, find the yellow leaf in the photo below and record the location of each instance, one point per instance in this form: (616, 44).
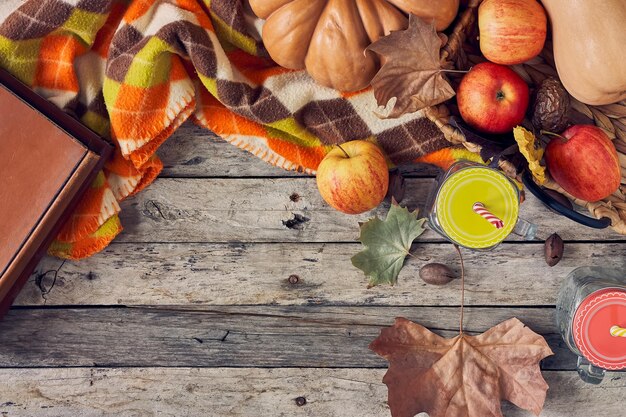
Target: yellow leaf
(527, 146)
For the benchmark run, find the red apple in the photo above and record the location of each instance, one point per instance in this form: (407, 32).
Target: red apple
(354, 177)
(583, 161)
(492, 98)
(511, 31)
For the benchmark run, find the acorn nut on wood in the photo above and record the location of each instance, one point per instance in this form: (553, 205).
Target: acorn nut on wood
(553, 249)
(436, 274)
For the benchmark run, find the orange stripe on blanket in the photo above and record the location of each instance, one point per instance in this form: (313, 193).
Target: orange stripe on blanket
(216, 117)
(194, 7)
(55, 66)
(134, 178)
(256, 69)
(348, 94)
(178, 70)
(85, 218)
(143, 154)
(150, 115)
(105, 34)
(445, 157)
(121, 166)
(90, 244)
(149, 171)
(137, 9)
(139, 112)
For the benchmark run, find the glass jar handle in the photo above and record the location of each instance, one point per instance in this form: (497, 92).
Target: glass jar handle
(588, 372)
(560, 208)
(525, 229)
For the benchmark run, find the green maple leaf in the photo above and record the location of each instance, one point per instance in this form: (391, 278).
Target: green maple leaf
(387, 243)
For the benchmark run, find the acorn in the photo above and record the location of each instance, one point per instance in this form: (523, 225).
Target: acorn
(553, 249)
(436, 274)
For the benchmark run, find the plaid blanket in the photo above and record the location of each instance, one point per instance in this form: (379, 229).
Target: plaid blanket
(134, 71)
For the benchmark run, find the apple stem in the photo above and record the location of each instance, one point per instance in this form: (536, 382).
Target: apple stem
(343, 150)
(545, 132)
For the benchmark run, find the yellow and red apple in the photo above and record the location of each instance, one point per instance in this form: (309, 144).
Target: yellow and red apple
(511, 31)
(353, 177)
(492, 98)
(584, 161)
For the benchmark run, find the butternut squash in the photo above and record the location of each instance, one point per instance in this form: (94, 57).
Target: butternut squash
(329, 37)
(589, 41)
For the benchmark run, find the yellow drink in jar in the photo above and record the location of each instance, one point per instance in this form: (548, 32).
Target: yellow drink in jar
(456, 196)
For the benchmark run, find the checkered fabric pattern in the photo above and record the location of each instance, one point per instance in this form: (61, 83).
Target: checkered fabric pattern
(134, 71)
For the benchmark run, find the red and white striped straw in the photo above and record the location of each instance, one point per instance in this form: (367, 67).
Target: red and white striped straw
(479, 208)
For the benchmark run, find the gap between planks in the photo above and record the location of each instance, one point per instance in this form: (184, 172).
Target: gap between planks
(237, 336)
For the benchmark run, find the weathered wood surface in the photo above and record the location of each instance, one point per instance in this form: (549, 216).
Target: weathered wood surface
(193, 151)
(240, 336)
(91, 392)
(257, 210)
(226, 274)
(205, 261)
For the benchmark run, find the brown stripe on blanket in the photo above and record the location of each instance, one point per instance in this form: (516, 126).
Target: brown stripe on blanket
(95, 6)
(126, 43)
(34, 19)
(258, 103)
(332, 121)
(231, 12)
(191, 40)
(234, 16)
(411, 140)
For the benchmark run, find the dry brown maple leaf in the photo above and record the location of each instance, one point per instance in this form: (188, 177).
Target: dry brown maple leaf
(466, 376)
(411, 70)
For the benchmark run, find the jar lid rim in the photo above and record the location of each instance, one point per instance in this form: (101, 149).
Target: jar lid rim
(591, 324)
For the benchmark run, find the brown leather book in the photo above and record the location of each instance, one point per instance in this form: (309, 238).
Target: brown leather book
(47, 160)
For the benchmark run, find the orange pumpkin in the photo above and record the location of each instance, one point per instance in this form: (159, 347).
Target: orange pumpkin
(329, 37)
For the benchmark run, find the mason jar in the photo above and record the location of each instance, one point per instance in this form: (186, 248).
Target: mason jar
(591, 317)
(476, 207)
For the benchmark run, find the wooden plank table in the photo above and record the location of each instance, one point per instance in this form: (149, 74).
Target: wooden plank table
(191, 311)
